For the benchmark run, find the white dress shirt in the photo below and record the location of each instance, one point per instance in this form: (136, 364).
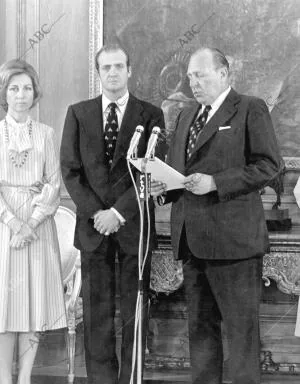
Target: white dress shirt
(120, 110)
(216, 104)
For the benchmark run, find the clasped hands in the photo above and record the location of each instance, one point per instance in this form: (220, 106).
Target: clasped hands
(106, 222)
(197, 183)
(25, 235)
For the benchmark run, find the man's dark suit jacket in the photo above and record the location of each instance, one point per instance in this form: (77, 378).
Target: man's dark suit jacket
(88, 179)
(228, 223)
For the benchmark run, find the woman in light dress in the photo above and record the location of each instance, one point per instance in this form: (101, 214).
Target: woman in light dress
(31, 290)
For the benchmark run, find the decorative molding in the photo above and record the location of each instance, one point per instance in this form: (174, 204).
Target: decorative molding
(167, 362)
(24, 17)
(37, 51)
(269, 366)
(21, 27)
(172, 363)
(292, 163)
(95, 43)
(279, 266)
(166, 273)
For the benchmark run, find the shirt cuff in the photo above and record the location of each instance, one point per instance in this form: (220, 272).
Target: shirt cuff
(119, 216)
(33, 223)
(15, 225)
(161, 199)
(38, 216)
(7, 216)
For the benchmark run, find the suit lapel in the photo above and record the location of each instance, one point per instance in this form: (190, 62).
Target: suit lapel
(223, 114)
(93, 123)
(131, 118)
(93, 126)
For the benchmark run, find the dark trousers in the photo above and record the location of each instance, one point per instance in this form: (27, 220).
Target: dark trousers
(98, 287)
(227, 291)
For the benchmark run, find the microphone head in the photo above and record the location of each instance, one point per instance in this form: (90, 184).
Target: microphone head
(139, 129)
(156, 130)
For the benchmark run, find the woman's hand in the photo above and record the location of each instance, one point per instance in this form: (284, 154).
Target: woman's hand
(15, 225)
(27, 232)
(18, 242)
(24, 237)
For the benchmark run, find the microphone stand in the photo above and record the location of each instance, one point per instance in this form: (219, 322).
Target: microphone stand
(143, 183)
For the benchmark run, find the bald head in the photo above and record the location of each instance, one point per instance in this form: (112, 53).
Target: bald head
(208, 73)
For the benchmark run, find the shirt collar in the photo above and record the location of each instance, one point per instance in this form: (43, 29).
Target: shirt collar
(19, 135)
(219, 100)
(13, 123)
(121, 102)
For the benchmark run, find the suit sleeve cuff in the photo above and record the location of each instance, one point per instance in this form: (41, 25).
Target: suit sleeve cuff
(224, 192)
(119, 216)
(161, 199)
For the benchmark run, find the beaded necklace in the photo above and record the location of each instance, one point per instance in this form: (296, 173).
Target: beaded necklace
(19, 159)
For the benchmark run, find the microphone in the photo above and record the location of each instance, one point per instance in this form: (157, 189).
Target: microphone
(135, 140)
(152, 143)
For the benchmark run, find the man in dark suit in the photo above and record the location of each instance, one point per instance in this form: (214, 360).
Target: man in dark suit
(226, 147)
(94, 146)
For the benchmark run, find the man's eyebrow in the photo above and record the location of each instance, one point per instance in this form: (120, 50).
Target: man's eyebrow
(118, 63)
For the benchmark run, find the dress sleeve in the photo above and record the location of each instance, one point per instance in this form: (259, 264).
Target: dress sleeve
(46, 203)
(5, 212)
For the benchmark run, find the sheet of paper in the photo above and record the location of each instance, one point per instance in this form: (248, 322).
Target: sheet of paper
(162, 172)
(297, 192)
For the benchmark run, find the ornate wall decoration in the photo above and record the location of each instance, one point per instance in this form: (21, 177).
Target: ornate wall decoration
(280, 266)
(166, 273)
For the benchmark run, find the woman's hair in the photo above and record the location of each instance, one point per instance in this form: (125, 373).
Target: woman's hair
(18, 67)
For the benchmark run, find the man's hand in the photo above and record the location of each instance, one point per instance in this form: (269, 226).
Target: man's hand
(106, 222)
(200, 183)
(157, 188)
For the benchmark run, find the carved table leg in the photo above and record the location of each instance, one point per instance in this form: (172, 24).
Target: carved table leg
(71, 345)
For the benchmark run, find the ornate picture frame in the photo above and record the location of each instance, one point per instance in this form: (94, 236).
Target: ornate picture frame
(95, 43)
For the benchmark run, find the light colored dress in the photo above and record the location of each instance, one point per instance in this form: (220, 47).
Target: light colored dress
(31, 289)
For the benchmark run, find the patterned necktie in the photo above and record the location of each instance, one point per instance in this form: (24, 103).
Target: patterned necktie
(195, 129)
(111, 132)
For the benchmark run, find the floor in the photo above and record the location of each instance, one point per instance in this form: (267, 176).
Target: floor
(51, 367)
(267, 379)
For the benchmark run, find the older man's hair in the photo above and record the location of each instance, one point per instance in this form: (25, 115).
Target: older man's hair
(113, 47)
(219, 58)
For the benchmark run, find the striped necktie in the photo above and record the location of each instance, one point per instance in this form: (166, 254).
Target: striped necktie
(195, 130)
(111, 132)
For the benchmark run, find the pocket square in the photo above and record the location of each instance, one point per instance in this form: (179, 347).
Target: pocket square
(225, 127)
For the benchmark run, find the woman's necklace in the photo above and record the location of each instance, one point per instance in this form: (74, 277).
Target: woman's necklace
(19, 159)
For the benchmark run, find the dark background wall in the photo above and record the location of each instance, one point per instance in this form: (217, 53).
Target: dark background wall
(260, 37)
